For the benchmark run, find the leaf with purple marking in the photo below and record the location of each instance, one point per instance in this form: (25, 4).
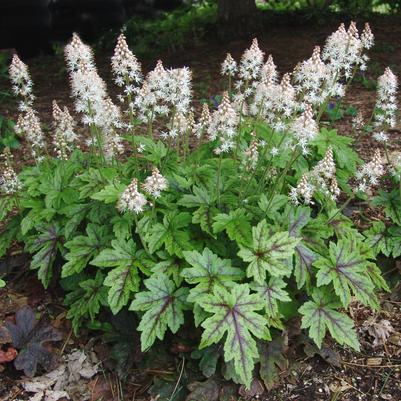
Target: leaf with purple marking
(163, 305)
(272, 293)
(347, 269)
(320, 315)
(207, 271)
(233, 313)
(269, 253)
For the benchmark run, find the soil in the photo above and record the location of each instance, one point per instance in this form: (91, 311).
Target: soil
(374, 372)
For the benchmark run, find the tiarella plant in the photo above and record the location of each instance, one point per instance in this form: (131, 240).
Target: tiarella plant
(233, 222)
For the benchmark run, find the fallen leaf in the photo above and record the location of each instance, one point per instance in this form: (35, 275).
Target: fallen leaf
(272, 359)
(208, 390)
(100, 390)
(5, 336)
(255, 390)
(374, 361)
(328, 354)
(339, 387)
(28, 336)
(379, 330)
(9, 355)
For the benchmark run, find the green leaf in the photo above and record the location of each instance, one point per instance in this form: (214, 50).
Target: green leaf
(378, 239)
(345, 156)
(304, 259)
(204, 216)
(319, 314)
(163, 305)
(93, 181)
(122, 226)
(45, 246)
(208, 359)
(236, 225)
(272, 292)
(395, 237)
(201, 197)
(10, 234)
(169, 234)
(2, 283)
(124, 279)
(269, 253)
(82, 249)
(110, 193)
(234, 313)
(85, 301)
(276, 204)
(346, 269)
(208, 271)
(391, 203)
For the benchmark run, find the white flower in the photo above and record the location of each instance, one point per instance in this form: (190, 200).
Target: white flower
(224, 124)
(125, 65)
(64, 135)
(368, 175)
(28, 124)
(386, 103)
(305, 128)
(311, 76)
(155, 184)
(251, 62)
(229, 66)
(131, 199)
(343, 50)
(21, 82)
(367, 37)
(304, 190)
(9, 181)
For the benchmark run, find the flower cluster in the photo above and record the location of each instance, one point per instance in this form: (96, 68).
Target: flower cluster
(64, 134)
(125, 66)
(251, 63)
(131, 199)
(28, 124)
(311, 76)
(9, 182)
(386, 104)
(155, 184)
(321, 179)
(304, 190)
(91, 98)
(229, 66)
(134, 201)
(305, 128)
(368, 175)
(164, 91)
(251, 154)
(324, 174)
(21, 82)
(224, 125)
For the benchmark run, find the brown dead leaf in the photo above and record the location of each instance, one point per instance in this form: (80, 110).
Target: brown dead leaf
(9, 355)
(374, 361)
(395, 339)
(255, 390)
(339, 387)
(5, 336)
(100, 389)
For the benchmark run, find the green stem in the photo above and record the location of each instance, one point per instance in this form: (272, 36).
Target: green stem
(343, 206)
(218, 180)
(145, 247)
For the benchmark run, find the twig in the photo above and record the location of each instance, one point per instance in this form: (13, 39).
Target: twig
(179, 380)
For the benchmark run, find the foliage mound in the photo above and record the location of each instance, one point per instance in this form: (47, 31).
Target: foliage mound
(232, 222)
